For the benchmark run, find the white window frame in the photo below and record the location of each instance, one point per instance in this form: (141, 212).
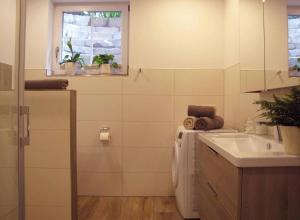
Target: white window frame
(59, 9)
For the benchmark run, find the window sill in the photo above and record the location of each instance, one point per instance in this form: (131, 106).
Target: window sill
(294, 73)
(83, 73)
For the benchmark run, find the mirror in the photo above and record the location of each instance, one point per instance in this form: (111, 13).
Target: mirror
(277, 53)
(269, 44)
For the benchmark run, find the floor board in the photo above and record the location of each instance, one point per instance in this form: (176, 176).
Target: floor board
(127, 208)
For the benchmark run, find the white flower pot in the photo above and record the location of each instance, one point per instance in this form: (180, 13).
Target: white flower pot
(291, 139)
(92, 69)
(105, 69)
(71, 68)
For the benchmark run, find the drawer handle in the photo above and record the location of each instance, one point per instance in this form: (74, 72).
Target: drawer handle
(212, 190)
(212, 150)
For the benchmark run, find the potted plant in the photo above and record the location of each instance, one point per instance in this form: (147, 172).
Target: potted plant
(105, 61)
(72, 63)
(297, 66)
(285, 113)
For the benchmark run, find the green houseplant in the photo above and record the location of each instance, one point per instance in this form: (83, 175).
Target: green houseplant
(105, 61)
(285, 113)
(72, 62)
(297, 66)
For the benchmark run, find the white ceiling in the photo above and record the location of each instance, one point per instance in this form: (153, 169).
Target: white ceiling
(294, 2)
(290, 2)
(87, 1)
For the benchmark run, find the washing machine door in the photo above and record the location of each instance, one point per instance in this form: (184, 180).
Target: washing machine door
(175, 165)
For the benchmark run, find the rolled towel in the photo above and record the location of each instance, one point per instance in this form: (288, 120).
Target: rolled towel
(189, 123)
(46, 84)
(201, 111)
(206, 123)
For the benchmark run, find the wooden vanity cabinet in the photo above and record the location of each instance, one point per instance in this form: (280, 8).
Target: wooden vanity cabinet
(226, 192)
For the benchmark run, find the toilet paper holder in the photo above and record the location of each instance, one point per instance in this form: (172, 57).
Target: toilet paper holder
(104, 135)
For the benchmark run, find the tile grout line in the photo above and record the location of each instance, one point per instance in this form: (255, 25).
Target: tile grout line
(122, 136)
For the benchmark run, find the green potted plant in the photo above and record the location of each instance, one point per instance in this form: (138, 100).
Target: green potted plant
(105, 61)
(297, 66)
(72, 63)
(285, 113)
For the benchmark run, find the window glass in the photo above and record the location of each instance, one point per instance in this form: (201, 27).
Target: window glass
(294, 39)
(90, 39)
(93, 33)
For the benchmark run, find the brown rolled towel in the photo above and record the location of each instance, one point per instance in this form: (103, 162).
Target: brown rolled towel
(201, 111)
(206, 123)
(189, 123)
(46, 84)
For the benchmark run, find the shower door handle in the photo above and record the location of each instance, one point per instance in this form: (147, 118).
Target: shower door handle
(57, 52)
(25, 115)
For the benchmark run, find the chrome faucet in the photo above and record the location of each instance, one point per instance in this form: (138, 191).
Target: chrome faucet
(277, 134)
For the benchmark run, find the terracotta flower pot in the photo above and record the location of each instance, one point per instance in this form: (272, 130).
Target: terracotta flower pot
(291, 139)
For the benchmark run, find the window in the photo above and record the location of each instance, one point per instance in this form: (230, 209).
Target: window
(93, 30)
(294, 39)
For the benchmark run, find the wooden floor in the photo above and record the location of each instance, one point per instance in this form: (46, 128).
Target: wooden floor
(127, 208)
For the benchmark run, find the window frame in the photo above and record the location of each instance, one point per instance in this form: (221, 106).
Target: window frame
(59, 10)
(290, 12)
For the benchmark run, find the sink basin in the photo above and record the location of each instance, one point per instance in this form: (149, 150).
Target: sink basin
(247, 143)
(245, 150)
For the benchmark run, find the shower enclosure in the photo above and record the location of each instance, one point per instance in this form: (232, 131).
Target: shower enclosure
(14, 117)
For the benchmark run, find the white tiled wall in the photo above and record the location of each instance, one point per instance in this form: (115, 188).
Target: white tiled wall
(238, 106)
(47, 158)
(142, 111)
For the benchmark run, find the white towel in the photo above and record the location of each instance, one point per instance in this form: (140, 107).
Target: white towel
(189, 122)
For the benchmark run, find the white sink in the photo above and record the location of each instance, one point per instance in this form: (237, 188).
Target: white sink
(245, 150)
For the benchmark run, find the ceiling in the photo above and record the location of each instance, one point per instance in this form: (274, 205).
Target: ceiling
(290, 2)
(87, 1)
(294, 2)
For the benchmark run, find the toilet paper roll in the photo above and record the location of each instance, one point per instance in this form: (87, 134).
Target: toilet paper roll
(104, 136)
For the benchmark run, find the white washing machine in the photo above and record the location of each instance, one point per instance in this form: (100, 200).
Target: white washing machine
(183, 171)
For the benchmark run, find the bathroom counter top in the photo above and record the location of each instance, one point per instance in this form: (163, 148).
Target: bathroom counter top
(244, 150)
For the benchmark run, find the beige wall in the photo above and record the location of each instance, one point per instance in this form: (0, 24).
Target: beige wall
(7, 32)
(47, 158)
(238, 106)
(231, 33)
(38, 38)
(176, 34)
(251, 24)
(158, 39)
(142, 111)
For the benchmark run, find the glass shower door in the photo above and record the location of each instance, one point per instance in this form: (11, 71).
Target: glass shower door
(11, 112)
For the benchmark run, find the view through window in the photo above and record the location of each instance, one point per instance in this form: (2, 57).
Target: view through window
(294, 39)
(93, 33)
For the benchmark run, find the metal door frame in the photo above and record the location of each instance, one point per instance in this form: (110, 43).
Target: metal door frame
(19, 86)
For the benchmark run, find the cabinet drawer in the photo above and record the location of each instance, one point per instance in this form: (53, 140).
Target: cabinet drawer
(222, 176)
(210, 207)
